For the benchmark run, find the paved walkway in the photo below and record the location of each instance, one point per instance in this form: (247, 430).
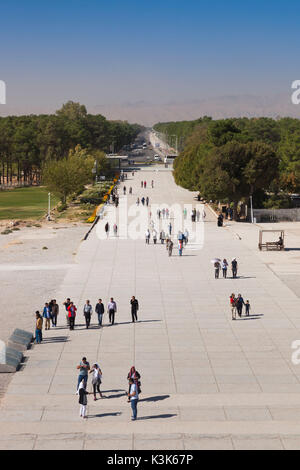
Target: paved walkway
(207, 382)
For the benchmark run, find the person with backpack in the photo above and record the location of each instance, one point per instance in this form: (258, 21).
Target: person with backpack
(239, 305)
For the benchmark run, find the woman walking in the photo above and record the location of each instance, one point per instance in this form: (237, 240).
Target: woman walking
(96, 380)
(82, 399)
(217, 269)
(135, 376)
(224, 268)
(232, 301)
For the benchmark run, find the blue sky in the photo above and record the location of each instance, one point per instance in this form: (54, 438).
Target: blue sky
(106, 52)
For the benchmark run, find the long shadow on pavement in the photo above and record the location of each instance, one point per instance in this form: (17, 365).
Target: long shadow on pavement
(167, 415)
(155, 398)
(103, 415)
(56, 339)
(117, 395)
(251, 317)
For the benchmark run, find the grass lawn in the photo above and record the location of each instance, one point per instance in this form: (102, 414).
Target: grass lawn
(25, 203)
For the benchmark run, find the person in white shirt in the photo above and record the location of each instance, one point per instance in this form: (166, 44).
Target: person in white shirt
(87, 312)
(186, 236)
(147, 236)
(111, 309)
(97, 379)
(133, 396)
(154, 236)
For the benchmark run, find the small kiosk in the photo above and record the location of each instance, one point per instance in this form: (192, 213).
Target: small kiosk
(271, 245)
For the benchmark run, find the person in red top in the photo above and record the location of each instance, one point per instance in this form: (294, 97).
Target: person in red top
(233, 306)
(72, 314)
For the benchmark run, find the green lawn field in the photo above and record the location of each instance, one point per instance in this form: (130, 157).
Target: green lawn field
(25, 203)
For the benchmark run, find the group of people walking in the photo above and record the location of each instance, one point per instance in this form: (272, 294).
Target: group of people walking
(237, 304)
(219, 264)
(133, 378)
(196, 215)
(50, 314)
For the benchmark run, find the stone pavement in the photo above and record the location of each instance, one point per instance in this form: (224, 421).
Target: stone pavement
(208, 382)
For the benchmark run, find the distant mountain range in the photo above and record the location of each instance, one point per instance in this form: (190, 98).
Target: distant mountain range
(147, 113)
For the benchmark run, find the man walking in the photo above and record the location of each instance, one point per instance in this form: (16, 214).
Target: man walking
(134, 308)
(84, 368)
(99, 309)
(87, 312)
(67, 305)
(47, 316)
(112, 308)
(133, 396)
(38, 327)
(54, 312)
(234, 267)
(239, 305)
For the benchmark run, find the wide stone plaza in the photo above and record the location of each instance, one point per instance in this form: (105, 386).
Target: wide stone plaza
(207, 382)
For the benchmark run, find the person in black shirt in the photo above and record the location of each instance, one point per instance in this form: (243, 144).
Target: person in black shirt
(99, 309)
(134, 308)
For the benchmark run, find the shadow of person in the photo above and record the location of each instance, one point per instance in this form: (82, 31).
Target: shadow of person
(103, 415)
(167, 415)
(155, 398)
(116, 394)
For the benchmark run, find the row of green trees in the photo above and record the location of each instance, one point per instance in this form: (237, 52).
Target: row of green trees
(233, 159)
(27, 143)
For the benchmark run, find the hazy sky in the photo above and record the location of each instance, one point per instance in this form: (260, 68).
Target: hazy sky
(159, 51)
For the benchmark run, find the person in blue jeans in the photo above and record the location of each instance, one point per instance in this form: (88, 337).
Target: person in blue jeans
(84, 368)
(134, 397)
(38, 327)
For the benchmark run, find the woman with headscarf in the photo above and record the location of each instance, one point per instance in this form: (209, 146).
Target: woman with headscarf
(96, 380)
(135, 376)
(82, 399)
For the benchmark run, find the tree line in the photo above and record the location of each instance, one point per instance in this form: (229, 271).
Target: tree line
(28, 143)
(232, 159)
